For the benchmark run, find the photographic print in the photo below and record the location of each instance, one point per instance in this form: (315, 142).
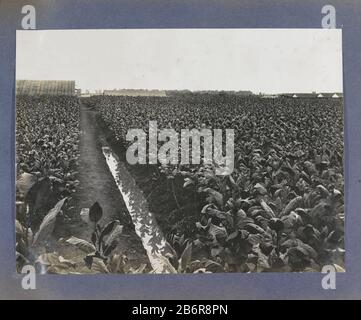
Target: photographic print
(179, 151)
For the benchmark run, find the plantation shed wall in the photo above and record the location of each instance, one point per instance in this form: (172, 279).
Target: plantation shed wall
(45, 87)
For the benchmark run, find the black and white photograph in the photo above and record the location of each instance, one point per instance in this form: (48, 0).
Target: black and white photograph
(151, 151)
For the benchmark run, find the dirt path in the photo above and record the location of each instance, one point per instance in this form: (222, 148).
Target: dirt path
(97, 184)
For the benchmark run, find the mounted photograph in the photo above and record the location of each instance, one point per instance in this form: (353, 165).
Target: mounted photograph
(151, 151)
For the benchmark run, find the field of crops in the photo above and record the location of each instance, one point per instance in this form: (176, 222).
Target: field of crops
(47, 137)
(281, 209)
(50, 189)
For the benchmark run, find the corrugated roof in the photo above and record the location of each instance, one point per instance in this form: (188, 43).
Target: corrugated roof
(45, 87)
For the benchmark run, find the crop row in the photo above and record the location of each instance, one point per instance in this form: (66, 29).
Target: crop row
(47, 138)
(282, 208)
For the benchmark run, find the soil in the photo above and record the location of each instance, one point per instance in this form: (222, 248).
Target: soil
(97, 185)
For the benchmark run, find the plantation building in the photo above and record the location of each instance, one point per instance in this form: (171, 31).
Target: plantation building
(45, 87)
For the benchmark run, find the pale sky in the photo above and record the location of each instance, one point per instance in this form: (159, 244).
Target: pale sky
(260, 60)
